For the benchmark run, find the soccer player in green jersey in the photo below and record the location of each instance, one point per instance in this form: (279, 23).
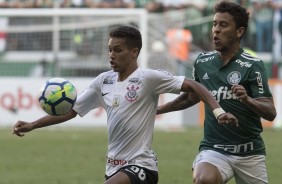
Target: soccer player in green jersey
(238, 81)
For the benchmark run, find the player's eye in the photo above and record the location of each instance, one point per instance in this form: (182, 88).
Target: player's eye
(116, 50)
(223, 24)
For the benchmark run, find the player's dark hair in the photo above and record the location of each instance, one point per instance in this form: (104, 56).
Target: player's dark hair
(131, 35)
(239, 13)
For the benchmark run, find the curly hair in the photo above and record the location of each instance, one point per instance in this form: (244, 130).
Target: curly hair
(239, 13)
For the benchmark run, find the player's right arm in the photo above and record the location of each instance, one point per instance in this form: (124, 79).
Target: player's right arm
(21, 126)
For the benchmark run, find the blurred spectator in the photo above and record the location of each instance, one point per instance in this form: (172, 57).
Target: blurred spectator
(16, 3)
(277, 36)
(195, 11)
(210, 6)
(116, 4)
(263, 16)
(43, 4)
(250, 36)
(91, 3)
(74, 3)
(244, 3)
(159, 58)
(156, 7)
(3, 4)
(278, 8)
(150, 5)
(179, 43)
(174, 4)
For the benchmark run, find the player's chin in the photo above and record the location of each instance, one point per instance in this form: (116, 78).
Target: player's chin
(115, 69)
(218, 47)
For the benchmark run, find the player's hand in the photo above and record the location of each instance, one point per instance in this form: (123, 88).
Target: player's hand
(20, 127)
(240, 92)
(227, 118)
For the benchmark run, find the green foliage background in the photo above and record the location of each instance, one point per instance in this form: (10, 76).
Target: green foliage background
(77, 156)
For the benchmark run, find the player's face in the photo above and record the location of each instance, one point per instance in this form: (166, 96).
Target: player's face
(225, 34)
(121, 57)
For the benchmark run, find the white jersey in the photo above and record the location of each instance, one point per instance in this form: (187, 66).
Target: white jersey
(131, 107)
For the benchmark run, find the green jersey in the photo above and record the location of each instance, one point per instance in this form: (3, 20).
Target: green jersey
(245, 70)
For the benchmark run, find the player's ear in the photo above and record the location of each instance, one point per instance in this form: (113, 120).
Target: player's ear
(240, 32)
(135, 52)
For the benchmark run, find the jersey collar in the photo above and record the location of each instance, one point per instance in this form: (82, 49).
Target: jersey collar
(236, 56)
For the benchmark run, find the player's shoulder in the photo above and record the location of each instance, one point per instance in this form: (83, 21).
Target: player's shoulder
(207, 54)
(249, 60)
(107, 74)
(245, 56)
(205, 57)
(156, 72)
(106, 77)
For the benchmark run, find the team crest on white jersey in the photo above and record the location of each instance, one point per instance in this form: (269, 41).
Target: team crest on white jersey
(131, 95)
(234, 77)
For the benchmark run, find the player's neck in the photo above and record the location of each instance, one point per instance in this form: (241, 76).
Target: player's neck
(123, 75)
(227, 55)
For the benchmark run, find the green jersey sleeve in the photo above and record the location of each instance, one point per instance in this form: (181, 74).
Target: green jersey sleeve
(258, 81)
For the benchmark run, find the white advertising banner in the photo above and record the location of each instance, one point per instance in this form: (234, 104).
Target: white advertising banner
(18, 101)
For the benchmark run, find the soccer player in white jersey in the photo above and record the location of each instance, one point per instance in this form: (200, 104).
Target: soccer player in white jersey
(130, 97)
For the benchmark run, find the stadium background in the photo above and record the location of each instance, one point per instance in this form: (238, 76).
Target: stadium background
(71, 42)
(37, 43)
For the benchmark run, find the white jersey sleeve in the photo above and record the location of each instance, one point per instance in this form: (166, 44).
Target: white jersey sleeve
(89, 98)
(164, 82)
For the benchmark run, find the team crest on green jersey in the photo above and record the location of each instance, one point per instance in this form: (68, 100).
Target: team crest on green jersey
(234, 77)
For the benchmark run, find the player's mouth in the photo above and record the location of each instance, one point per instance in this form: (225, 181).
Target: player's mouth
(113, 65)
(216, 40)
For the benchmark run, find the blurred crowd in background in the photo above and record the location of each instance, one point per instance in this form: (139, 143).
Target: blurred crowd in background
(263, 34)
(261, 11)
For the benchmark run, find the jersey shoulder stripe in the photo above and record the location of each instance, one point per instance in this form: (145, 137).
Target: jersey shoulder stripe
(205, 57)
(249, 57)
(203, 54)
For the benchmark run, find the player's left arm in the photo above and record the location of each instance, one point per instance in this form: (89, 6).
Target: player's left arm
(259, 99)
(263, 107)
